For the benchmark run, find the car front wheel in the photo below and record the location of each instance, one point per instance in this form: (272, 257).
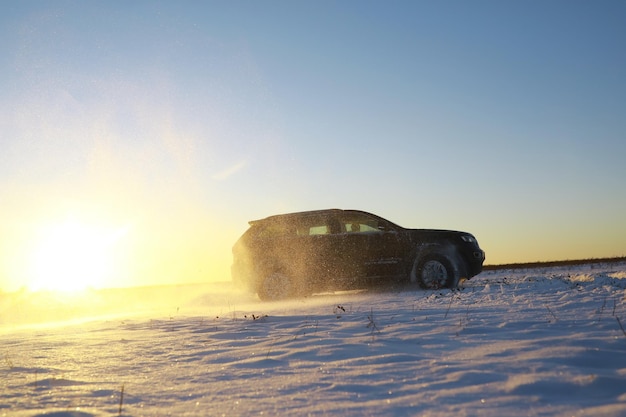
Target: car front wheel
(435, 273)
(276, 286)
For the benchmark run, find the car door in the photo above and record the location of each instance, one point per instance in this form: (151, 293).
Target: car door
(312, 253)
(350, 250)
(373, 246)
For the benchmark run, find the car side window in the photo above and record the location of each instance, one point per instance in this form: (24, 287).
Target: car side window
(274, 230)
(359, 225)
(319, 230)
(312, 227)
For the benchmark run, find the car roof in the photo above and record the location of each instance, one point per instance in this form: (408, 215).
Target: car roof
(303, 214)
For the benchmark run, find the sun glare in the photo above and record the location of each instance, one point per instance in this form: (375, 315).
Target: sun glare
(73, 256)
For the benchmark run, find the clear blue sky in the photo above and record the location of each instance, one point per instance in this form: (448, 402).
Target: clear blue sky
(180, 121)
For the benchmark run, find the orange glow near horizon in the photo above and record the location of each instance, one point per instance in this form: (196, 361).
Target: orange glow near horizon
(75, 249)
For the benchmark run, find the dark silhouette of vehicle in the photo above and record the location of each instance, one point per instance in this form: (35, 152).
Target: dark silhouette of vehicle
(298, 254)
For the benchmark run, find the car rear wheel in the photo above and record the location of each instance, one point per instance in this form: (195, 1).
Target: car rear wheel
(436, 272)
(276, 286)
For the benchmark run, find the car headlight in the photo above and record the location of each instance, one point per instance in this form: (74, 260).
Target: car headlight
(468, 239)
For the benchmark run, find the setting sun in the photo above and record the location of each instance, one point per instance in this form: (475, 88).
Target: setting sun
(73, 256)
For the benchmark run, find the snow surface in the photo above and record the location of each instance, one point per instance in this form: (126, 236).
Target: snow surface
(536, 342)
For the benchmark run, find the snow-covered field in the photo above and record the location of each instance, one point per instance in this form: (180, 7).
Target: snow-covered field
(533, 342)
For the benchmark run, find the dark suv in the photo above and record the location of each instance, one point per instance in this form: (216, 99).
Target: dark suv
(297, 254)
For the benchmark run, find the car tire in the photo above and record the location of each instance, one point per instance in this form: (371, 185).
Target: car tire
(436, 272)
(276, 286)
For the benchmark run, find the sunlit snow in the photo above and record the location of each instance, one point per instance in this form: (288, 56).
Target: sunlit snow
(536, 342)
